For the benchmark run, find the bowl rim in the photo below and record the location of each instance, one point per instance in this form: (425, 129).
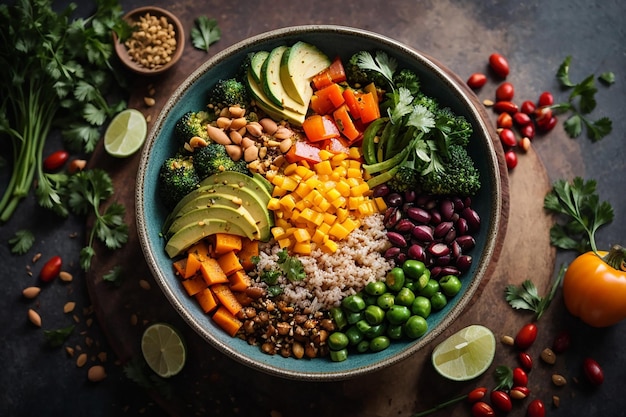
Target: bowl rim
(122, 52)
(497, 219)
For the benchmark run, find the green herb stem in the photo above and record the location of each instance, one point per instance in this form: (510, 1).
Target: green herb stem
(440, 406)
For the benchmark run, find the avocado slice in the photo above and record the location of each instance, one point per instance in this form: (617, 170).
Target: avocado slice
(239, 216)
(299, 64)
(273, 86)
(256, 63)
(270, 108)
(193, 233)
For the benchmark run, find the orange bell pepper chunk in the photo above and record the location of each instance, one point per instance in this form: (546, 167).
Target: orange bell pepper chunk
(320, 127)
(350, 96)
(368, 107)
(346, 124)
(335, 73)
(327, 99)
(303, 150)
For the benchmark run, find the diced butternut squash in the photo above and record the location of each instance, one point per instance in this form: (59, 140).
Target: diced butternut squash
(212, 272)
(227, 298)
(227, 321)
(206, 300)
(239, 280)
(194, 284)
(249, 250)
(180, 267)
(226, 242)
(229, 262)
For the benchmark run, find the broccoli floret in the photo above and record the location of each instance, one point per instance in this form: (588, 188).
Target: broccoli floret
(459, 175)
(213, 158)
(456, 128)
(360, 77)
(177, 178)
(228, 92)
(405, 178)
(407, 79)
(192, 123)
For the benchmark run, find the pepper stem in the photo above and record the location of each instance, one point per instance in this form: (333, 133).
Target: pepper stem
(616, 258)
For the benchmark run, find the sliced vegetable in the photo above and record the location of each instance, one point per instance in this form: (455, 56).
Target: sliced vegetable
(320, 127)
(335, 73)
(327, 99)
(346, 125)
(227, 321)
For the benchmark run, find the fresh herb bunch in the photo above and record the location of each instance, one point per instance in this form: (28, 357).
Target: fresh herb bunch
(581, 102)
(205, 33)
(52, 77)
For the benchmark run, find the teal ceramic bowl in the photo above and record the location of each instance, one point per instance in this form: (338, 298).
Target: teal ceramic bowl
(436, 80)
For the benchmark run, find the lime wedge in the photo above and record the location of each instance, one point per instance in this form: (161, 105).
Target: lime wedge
(163, 349)
(126, 133)
(466, 354)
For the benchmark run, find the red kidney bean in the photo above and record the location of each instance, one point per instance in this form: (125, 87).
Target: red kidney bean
(477, 80)
(381, 190)
(536, 409)
(505, 92)
(435, 217)
(482, 409)
(55, 160)
(435, 271)
(526, 336)
(593, 371)
(510, 157)
(450, 270)
(51, 269)
(561, 342)
(505, 107)
(466, 242)
(392, 252)
(394, 200)
(528, 107)
(473, 220)
(545, 99)
(410, 196)
(391, 217)
(499, 65)
(504, 121)
(463, 262)
(542, 114)
(520, 378)
(423, 233)
(416, 252)
(501, 401)
(521, 119)
(396, 239)
(461, 226)
(547, 125)
(404, 226)
(438, 249)
(418, 214)
(526, 361)
(450, 236)
(442, 229)
(476, 394)
(446, 208)
(443, 260)
(455, 249)
(507, 136)
(528, 131)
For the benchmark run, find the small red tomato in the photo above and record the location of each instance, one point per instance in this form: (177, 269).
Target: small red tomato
(507, 136)
(511, 159)
(504, 120)
(505, 107)
(51, 269)
(526, 336)
(501, 401)
(520, 378)
(542, 114)
(519, 393)
(593, 371)
(476, 80)
(505, 91)
(499, 65)
(476, 394)
(526, 361)
(528, 107)
(561, 342)
(547, 125)
(55, 160)
(528, 131)
(482, 409)
(521, 119)
(545, 99)
(536, 409)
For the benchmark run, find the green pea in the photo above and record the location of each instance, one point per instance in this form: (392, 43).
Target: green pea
(354, 335)
(431, 287)
(416, 271)
(376, 330)
(415, 326)
(385, 301)
(379, 343)
(352, 318)
(354, 303)
(376, 288)
(337, 341)
(369, 299)
(363, 326)
(404, 297)
(421, 306)
(438, 301)
(395, 279)
(450, 285)
(398, 314)
(363, 346)
(374, 314)
(394, 331)
(339, 317)
(339, 355)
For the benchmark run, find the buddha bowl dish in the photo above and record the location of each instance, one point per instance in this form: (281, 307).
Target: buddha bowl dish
(309, 258)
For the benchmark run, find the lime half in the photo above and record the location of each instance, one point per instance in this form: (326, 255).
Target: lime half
(163, 349)
(466, 354)
(126, 133)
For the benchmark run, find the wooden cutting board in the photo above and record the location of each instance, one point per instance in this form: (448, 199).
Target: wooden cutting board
(214, 384)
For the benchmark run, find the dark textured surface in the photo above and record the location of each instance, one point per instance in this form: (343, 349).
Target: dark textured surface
(535, 36)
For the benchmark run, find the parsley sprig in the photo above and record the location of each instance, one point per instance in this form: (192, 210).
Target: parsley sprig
(581, 102)
(205, 33)
(526, 296)
(22, 241)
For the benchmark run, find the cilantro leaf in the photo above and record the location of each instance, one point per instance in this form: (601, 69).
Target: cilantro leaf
(526, 296)
(562, 73)
(114, 276)
(599, 129)
(22, 241)
(504, 377)
(55, 338)
(205, 33)
(607, 78)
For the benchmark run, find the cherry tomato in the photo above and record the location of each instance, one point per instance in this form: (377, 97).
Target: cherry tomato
(526, 336)
(528, 107)
(593, 371)
(542, 114)
(499, 65)
(51, 269)
(501, 401)
(477, 80)
(55, 160)
(521, 118)
(482, 409)
(519, 393)
(561, 342)
(545, 99)
(504, 120)
(476, 394)
(527, 131)
(548, 124)
(520, 378)
(536, 409)
(526, 361)
(507, 136)
(510, 158)
(505, 91)
(505, 107)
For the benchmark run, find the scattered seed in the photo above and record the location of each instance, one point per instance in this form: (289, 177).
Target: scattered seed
(31, 292)
(559, 380)
(69, 350)
(96, 373)
(81, 360)
(525, 143)
(144, 284)
(149, 101)
(149, 118)
(508, 340)
(36, 257)
(102, 356)
(65, 276)
(76, 165)
(548, 356)
(88, 341)
(133, 319)
(69, 307)
(34, 317)
(556, 401)
(488, 102)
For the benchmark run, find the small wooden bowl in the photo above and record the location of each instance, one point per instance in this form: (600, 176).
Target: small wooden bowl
(132, 17)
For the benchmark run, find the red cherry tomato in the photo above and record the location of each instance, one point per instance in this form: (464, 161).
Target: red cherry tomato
(51, 269)
(482, 409)
(501, 401)
(505, 107)
(505, 92)
(520, 378)
(521, 118)
(519, 393)
(542, 114)
(545, 99)
(561, 342)
(504, 120)
(511, 159)
(507, 136)
(528, 107)
(526, 361)
(547, 125)
(526, 336)
(55, 160)
(499, 65)
(536, 409)
(476, 80)
(527, 131)
(593, 371)
(476, 394)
